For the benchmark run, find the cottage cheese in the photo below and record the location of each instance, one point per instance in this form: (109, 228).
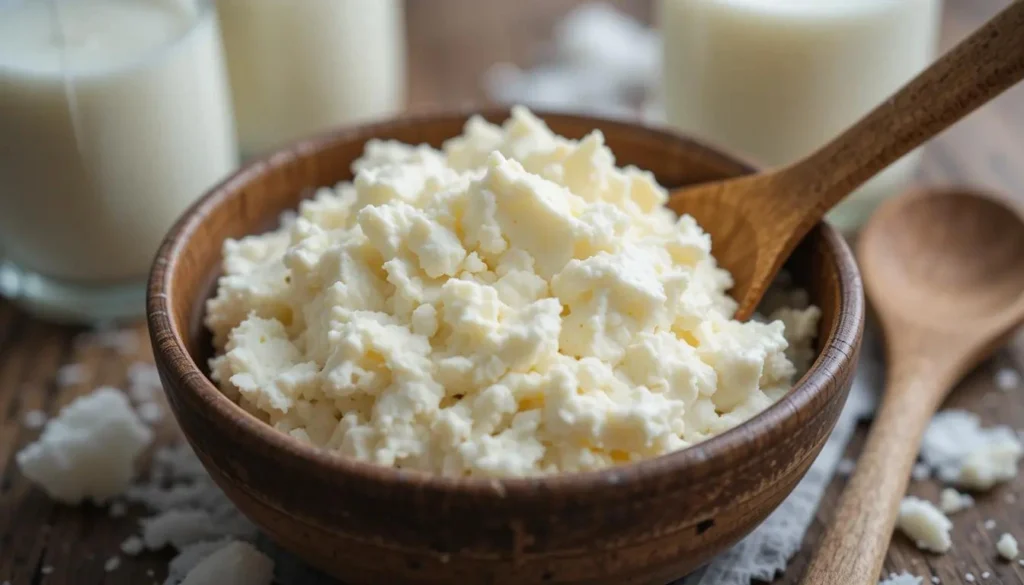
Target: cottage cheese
(89, 450)
(952, 501)
(512, 304)
(1007, 547)
(970, 456)
(925, 525)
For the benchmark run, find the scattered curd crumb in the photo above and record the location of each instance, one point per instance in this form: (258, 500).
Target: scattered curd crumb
(925, 525)
(88, 450)
(901, 579)
(117, 509)
(190, 556)
(920, 472)
(986, 575)
(177, 528)
(34, 419)
(72, 374)
(963, 453)
(989, 524)
(133, 545)
(1007, 379)
(151, 412)
(143, 381)
(123, 341)
(952, 501)
(1007, 546)
(238, 563)
(845, 467)
(936, 580)
(112, 564)
(969, 577)
(512, 304)
(192, 513)
(46, 570)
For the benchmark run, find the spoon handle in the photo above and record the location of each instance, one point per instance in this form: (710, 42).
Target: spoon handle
(855, 543)
(978, 69)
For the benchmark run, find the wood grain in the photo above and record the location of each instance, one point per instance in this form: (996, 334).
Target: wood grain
(452, 42)
(944, 270)
(648, 522)
(757, 220)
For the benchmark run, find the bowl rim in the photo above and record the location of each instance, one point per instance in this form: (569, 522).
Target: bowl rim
(171, 354)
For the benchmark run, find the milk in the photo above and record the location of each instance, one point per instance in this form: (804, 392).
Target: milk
(774, 79)
(115, 115)
(299, 67)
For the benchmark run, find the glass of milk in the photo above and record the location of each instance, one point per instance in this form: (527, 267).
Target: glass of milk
(772, 80)
(299, 67)
(115, 115)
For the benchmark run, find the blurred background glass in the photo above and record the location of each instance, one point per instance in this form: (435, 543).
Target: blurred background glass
(114, 116)
(773, 80)
(300, 67)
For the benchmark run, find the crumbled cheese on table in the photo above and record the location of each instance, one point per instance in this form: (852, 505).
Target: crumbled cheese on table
(846, 467)
(34, 419)
(88, 450)
(925, 525)
(920, 472)
(952, 501)
(513, 304)
(963, 453)
(1007, 379)
(133, 545)
(1007, 547)
(901, 579)
(237, 563)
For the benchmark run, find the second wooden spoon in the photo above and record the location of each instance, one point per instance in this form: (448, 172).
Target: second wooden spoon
(756, 221)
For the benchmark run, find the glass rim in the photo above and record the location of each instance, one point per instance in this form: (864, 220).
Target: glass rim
(198, 13)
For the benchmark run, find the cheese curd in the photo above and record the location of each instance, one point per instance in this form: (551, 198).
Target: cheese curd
(512, 304)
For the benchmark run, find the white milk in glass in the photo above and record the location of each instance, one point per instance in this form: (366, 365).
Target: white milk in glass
(299, 67)
(772, 80)
(115, 115)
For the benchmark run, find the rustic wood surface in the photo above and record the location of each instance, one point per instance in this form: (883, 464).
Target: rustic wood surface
(451, 43)
(944, 271)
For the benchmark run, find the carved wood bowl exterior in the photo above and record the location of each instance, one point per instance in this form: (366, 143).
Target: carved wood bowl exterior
(648, 522)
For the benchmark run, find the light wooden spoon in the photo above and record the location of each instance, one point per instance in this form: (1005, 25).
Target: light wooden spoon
(756, 221)
(945, 273)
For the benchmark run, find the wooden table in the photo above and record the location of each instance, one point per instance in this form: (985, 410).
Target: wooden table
(451, 43)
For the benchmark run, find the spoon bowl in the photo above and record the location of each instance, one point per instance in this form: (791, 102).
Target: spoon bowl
(954, 254)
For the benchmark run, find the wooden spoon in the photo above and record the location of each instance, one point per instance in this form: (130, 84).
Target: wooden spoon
(945, 273)
(756, 221)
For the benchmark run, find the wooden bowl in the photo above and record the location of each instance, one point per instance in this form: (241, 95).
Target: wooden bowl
(648, 522)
